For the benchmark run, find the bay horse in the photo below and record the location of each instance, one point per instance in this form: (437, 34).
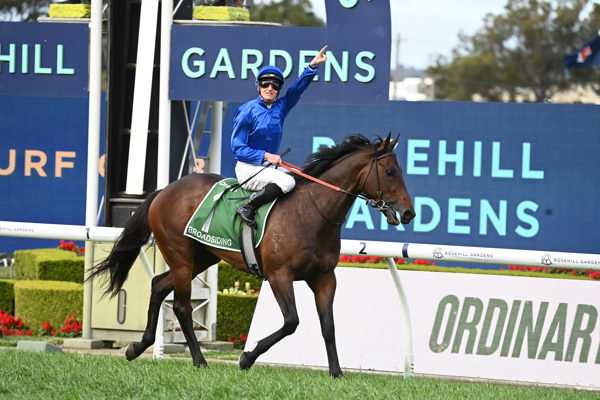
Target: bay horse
(301, 239)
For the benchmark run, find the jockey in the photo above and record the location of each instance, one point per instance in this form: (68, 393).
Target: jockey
(257, 132)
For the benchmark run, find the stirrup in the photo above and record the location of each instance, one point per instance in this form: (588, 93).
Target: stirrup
(248, 214)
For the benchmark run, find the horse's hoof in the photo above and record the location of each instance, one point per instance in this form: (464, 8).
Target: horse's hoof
(245, 362)
(130, 353)
(201, 363)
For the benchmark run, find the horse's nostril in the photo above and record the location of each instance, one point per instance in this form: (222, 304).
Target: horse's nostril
(408, 214)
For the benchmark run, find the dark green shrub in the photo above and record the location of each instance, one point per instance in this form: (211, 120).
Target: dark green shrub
(228, 275)
(7, 296)
(49, 264)
(234, 314)
(52, 301)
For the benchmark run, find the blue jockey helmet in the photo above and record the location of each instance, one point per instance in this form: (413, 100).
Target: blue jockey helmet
(270, 72)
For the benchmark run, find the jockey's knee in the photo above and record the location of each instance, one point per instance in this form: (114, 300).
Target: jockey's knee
(287, 184)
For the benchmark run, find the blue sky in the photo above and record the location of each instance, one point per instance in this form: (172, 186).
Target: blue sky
(430, 27)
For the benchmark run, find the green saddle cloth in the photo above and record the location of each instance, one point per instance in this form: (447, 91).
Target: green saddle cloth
(215, 222)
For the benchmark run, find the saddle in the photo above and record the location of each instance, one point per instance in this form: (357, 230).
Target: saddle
(215, 223)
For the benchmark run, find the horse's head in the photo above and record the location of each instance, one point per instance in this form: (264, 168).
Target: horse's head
(384, 183)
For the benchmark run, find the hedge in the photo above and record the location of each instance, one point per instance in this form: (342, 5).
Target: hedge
(235, 311)
(234, 314)
(52, 301)
(228, 275)
(7, 296)
(49, 264)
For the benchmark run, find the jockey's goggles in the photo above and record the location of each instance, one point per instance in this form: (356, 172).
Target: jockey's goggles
(265, 84)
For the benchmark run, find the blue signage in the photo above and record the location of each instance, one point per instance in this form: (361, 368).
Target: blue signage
(43, 163)
(43, 59)
(221, 62)
(480, 174)
(512, 175)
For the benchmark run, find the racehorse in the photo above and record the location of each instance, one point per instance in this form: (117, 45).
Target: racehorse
(301, 239)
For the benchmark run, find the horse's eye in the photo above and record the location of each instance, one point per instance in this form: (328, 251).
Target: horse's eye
(390, 172)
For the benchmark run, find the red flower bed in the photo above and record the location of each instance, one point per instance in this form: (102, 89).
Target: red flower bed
(239, 342)
(375, 260)
(12, 326)
(72, 328)
(592, 274)
(71, 246)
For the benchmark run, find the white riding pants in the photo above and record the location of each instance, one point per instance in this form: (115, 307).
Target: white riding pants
(244, 170)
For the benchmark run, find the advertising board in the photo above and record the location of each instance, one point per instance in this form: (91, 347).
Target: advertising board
(221, 62)
(43, 59)
(463, 325)
(43, 118)
(43, 163)
(505, 175)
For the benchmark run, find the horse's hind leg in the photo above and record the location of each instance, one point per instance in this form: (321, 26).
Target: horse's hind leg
(182, 304)
(283, 290)
(161, 287)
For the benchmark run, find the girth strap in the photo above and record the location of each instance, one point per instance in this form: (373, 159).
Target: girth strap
(249, 251)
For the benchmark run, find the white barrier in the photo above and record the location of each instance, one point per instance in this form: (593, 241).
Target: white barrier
(473, 326)
(435, 252)
(458, 254)
(484, 255)
(54, 231)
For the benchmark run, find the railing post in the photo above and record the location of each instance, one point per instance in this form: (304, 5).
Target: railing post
(409, 361)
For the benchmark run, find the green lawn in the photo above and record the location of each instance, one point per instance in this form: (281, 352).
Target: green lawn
(30, 375)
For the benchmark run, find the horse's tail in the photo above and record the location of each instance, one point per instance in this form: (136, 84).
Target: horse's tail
(136, 233)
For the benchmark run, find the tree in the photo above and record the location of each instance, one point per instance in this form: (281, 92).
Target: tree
(287, 13)
(519, 50)
(23, 10)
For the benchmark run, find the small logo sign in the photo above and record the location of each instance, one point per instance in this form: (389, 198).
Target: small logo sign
(547, 259)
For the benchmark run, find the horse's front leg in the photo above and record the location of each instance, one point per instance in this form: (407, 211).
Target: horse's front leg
(283, 290)
(324, 290)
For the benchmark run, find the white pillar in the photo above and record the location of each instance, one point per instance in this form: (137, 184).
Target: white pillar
(164, 143)
(164, 104)
(216, 135)
(409, 358)
(214, 166)
(142, 93)
(91, 204)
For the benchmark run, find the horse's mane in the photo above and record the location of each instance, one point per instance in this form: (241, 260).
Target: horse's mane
(325, 157)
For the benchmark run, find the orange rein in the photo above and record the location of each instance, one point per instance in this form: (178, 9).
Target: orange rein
(298, 171)
(379, 203)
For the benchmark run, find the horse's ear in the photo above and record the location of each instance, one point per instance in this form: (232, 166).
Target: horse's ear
(386, 142)
(395, 141)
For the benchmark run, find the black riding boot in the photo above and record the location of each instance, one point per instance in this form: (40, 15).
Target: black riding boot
(248, 210)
